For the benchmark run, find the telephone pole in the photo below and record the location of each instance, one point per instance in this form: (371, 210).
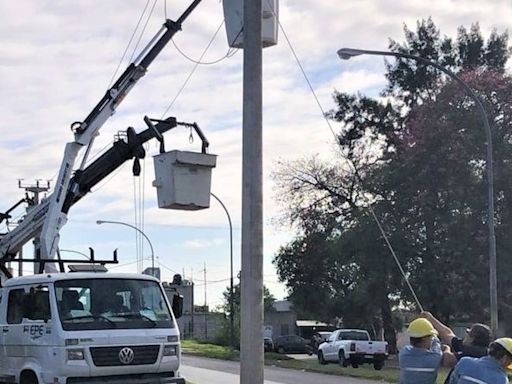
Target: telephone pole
(35, 189)
(251, 351)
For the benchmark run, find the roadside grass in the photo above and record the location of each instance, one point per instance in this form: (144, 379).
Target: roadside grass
(388, 374)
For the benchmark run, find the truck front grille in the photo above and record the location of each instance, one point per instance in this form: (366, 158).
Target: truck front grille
(109, 356)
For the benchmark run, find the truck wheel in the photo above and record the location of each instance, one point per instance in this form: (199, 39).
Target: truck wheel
(28, 377)
(378, 365)
(343, 360)
(280, 350)
(355, 365)
(321, 359)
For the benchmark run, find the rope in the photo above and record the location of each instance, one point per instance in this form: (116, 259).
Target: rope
(376, 219)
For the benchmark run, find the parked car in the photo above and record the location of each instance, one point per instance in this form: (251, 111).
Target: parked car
(324, 336)
(319, 338)
(354, 347)
(268, 344)
(292, 344)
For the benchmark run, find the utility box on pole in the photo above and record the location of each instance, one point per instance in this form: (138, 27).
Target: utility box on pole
(183, 179)
(233, 15)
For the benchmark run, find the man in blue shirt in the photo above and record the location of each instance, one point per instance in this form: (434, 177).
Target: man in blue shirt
(420, 361)
(489, 369)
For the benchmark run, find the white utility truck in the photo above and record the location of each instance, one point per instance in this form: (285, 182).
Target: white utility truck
(88, 328)
(354, 347)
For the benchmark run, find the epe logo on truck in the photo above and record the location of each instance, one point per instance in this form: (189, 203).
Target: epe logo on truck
(35, 331)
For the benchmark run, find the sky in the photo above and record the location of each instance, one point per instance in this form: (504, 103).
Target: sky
(57, 59)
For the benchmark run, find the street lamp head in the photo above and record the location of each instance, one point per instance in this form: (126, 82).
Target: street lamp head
(99, 222)
(347, 53)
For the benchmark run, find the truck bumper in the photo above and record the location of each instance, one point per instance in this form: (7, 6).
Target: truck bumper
(361, 358)
(127, 379)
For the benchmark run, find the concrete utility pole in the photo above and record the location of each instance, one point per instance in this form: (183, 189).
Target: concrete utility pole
(251, 332)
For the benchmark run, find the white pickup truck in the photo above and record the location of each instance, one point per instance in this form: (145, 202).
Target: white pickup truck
(354, 347)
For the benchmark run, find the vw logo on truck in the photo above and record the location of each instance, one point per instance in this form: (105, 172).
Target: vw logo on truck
(126, 355)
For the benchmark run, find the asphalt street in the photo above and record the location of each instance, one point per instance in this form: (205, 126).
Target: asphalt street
(201, 370)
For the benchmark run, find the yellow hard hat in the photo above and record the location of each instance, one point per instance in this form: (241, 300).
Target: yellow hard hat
(505, 342)
(420, 328)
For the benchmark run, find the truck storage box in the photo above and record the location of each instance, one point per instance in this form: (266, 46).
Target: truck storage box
(183, 179)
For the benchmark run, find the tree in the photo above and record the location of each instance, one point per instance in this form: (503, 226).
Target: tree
(223, 337)
(417, 161)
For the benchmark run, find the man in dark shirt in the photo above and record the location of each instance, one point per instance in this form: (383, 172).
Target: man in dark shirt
(474, 344)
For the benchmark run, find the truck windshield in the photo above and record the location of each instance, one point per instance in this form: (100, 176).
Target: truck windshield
(89, 304)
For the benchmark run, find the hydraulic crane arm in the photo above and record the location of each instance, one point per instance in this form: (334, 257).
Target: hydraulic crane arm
(121, 151)
(50, 212)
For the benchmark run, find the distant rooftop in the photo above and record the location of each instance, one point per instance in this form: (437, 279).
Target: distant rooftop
(311, 323)
(282, 306)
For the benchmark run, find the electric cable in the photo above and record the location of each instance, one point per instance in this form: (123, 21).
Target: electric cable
(383, 233)
(129, 43)
(192, 72)
(231, 51)
(143, 30)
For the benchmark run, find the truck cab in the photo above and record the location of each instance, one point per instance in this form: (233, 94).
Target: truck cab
(88, 328)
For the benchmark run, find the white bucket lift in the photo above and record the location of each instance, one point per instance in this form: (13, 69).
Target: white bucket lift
(183, 179)
(234, 15)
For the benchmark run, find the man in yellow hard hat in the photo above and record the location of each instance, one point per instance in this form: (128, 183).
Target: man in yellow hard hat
(420, 361)
(491, 369)
(474, 344)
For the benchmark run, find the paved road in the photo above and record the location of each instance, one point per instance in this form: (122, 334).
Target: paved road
(201, 370)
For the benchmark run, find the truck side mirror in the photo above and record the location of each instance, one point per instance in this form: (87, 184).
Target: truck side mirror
(177, 305)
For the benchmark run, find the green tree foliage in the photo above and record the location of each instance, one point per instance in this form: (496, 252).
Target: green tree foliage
(223, 336)
(418, 160)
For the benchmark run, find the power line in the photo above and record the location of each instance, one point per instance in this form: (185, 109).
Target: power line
(356, 174)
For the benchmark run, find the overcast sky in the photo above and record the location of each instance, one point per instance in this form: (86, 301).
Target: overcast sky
(57, 59)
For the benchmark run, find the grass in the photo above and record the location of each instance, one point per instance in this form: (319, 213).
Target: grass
(388, 374)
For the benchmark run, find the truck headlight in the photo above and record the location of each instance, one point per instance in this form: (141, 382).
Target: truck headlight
(170, 350)
(75, 354)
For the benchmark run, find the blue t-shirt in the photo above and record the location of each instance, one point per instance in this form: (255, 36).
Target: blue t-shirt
(484, 370)
(419, 365)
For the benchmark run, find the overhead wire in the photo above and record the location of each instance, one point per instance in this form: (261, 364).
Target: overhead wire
(129, 43)
(143, 30)
(369, 205)
(192, 71)
(231, 51)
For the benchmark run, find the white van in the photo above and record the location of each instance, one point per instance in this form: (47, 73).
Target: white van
(88, 328)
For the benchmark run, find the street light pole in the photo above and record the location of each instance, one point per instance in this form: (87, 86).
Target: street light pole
(99, 222)
(73, 251)
(231, 305)
(347, 53)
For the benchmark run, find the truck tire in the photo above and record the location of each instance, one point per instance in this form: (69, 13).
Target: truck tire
(321, 359)
(28, 377)
(355, 365)
(378, 365)
(343, 361)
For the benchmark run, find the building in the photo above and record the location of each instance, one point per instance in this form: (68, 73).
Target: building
(196, 321)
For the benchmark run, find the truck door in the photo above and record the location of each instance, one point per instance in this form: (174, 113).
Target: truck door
(3, 326)
(12, 331)
(28, 331)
